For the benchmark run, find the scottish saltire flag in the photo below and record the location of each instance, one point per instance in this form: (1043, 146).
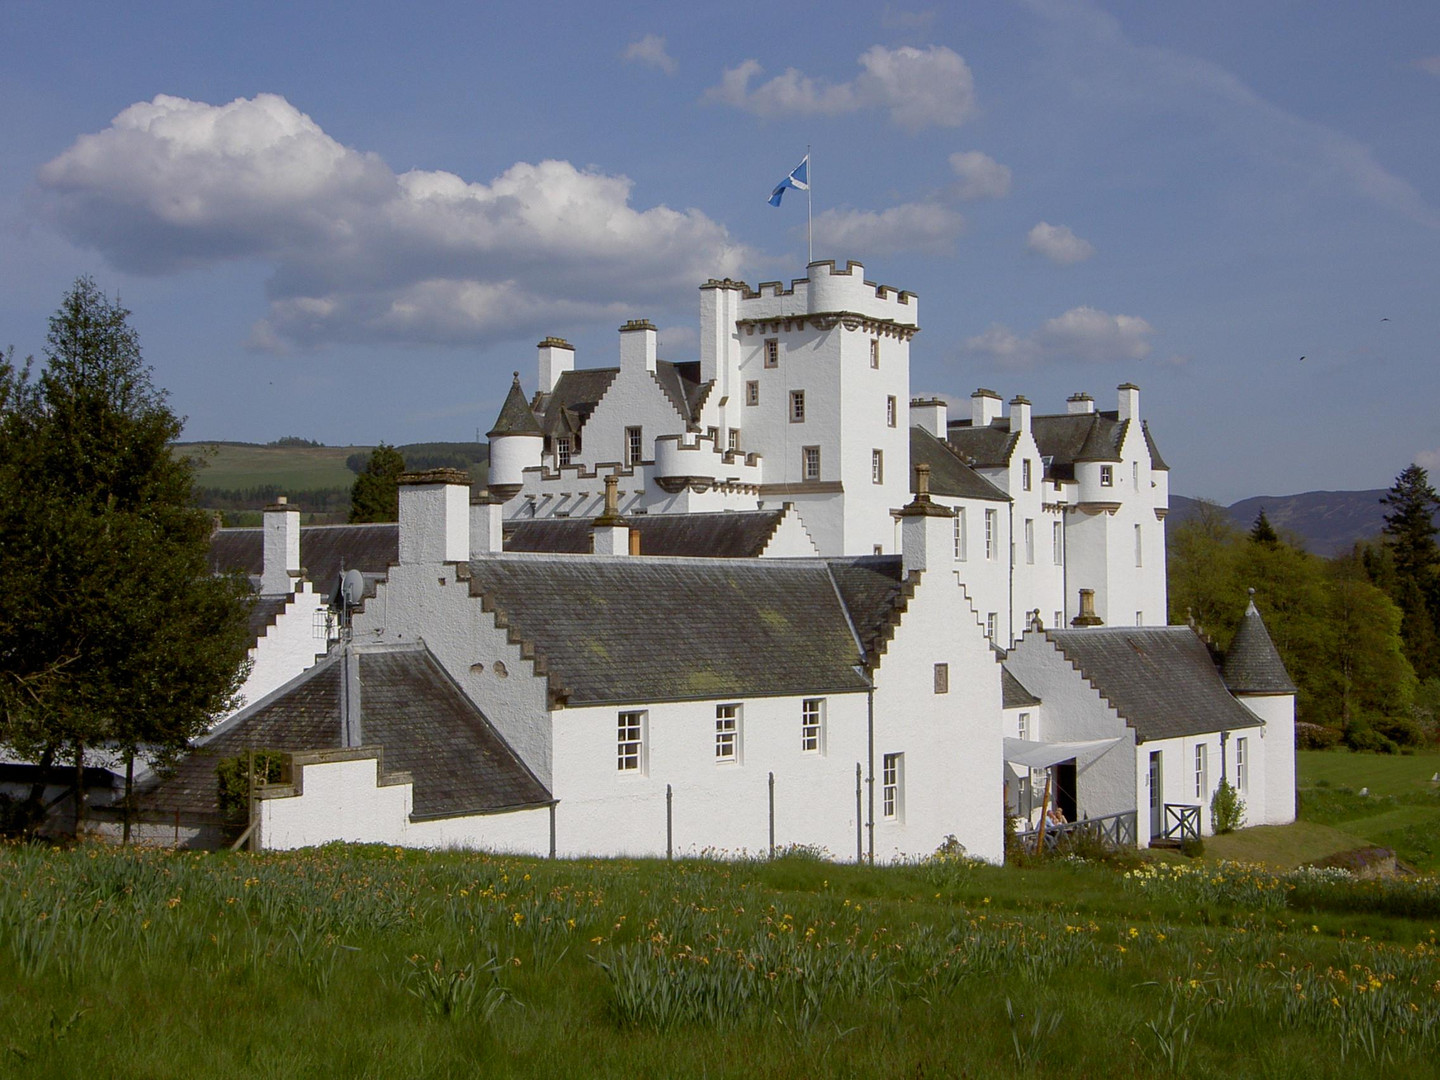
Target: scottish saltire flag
(799, 179)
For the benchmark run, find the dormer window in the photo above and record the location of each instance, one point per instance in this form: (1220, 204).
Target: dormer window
(564, 450)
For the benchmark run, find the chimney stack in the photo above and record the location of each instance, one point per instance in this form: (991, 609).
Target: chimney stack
(486, 527)
(281, 558)
(927, 529)
(637, 345)
(932, 414)
(1087, 616)
(557, 356)
(1129, 401)
(1080, 403)
(434, 516)
(610, 533)
(1019, 415)
(984, 407)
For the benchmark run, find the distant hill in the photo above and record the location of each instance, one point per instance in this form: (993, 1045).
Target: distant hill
(239, 479)
(1329, 522)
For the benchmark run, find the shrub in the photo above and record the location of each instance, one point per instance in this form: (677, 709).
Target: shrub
(1192, 847)
(1227, 809)
(1400, 730)
(1316, 736)
(271, 767)
(1360, 736)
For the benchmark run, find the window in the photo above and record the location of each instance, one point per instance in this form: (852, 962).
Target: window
(1107, 476)
(713, 434)
(892, 786)
(752, 393)
(812, 726)
(1135, 474)
(1025, 725)
(992, 522)
(563, 451)
(1025, 474)
(1139, 618)
(960, 534)
(990, 622)
(810, 463)
(633, 446)
(727, 734)
(890, 411)
(797, 406)
(1059, 619)
(877, 466)
(1242, 765)
(630, 742)
(1139, 548)
(874, 352)
(1201, 786)
(1057, 543)
(1030, 540)
(772, 352)
(942, 678)
(734, 438)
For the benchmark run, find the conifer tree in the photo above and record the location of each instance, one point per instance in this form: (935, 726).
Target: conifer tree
(375, 495)
(115, 638)
(1415, 585)
(1262, 532)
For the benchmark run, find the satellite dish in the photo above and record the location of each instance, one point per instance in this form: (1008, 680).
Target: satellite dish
(352, 587)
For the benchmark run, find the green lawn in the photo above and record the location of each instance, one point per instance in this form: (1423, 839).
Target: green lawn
(1383, 774)
(234, 466)
(358, 962)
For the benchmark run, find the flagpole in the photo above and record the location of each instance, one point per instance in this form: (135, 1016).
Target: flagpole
(809, 218)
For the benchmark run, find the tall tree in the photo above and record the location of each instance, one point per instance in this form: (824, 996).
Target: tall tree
(1262, 532)
(1415, 585)
(375, 495)
(115, 639)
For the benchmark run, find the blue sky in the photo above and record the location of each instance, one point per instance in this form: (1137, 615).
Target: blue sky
(352, 221)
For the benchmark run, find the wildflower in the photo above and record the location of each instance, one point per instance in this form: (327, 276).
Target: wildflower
(173, 902)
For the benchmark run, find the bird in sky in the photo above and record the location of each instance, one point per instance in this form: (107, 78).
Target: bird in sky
(1302, 358)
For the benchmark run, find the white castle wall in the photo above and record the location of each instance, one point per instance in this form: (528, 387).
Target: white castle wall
(287, 647)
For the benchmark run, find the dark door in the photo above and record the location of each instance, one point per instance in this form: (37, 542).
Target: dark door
(1065, 789)
(1157, 798)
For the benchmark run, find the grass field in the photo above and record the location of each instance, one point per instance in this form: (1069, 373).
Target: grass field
(1401, 810)
(237, 466)
(378, 962)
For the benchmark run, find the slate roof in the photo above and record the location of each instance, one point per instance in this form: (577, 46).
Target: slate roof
(1013, 694)
(729, 535)
(1064, 438)
(409, 707)
(567, 407)
(682, 385)
(516, 416)
(325, 550)
(949, 475)
(1161, 680)
(263, 613)
(1252, 664)
(613, 630)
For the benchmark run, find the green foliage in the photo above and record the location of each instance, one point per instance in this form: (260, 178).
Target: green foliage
(113, 630)
(1262, 532)
(294, 441)
(1227, 809)
(375, 495)
(233, 773)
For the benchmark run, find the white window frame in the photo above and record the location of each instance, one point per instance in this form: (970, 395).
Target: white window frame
(732, 440)
(942, 678)
(797, 406)
(1057, 543)
(727, 734)
(1107, 476)
(992, 624)
(1059, 620)
(1030, 541)
(875, 352)
(892, 787)
(1025, 477)
(892, 410)
(564, 450)
(1135, 474)
(752, 392)
(772, 352)
(1139, 546)
(960, 534)
(877, 466)
(1025, 725)
(630, 742)
(1139, 618)
(810, 455)
(1202, 770)
(634, 446)
(992, 527)
(1242, 765)
(812, 726)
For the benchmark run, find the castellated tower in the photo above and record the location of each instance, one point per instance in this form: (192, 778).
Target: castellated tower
(817, 377)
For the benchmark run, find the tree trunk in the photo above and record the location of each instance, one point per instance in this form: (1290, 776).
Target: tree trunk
(129, 792)
(35, 804)
(79, 789)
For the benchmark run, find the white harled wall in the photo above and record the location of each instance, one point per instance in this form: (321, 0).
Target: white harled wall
(287, 647)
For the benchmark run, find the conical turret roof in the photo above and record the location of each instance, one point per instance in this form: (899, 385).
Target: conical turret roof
(1253, 664)
(516, 417)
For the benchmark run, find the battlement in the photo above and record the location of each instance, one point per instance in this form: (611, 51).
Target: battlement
(828, 289)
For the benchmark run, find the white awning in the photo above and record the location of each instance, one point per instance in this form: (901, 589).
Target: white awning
(1041, 755)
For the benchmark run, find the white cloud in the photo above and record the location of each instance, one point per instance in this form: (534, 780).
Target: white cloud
(980, 175)
(1080, 335)
(1058, 244)
(650, 50)
(1429, 64)
(920, 226)
(360, 253)
(929, 87)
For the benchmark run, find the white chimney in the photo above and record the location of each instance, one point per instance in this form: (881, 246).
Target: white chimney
(487, 527)
(984, 407)
(557, 356)
(932, 414)
(1019, 414)
(927, 529)
(434, 517)
(1080, 403)
(1129, 401)
(637, 345)
(610, 533)
(281, 559)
